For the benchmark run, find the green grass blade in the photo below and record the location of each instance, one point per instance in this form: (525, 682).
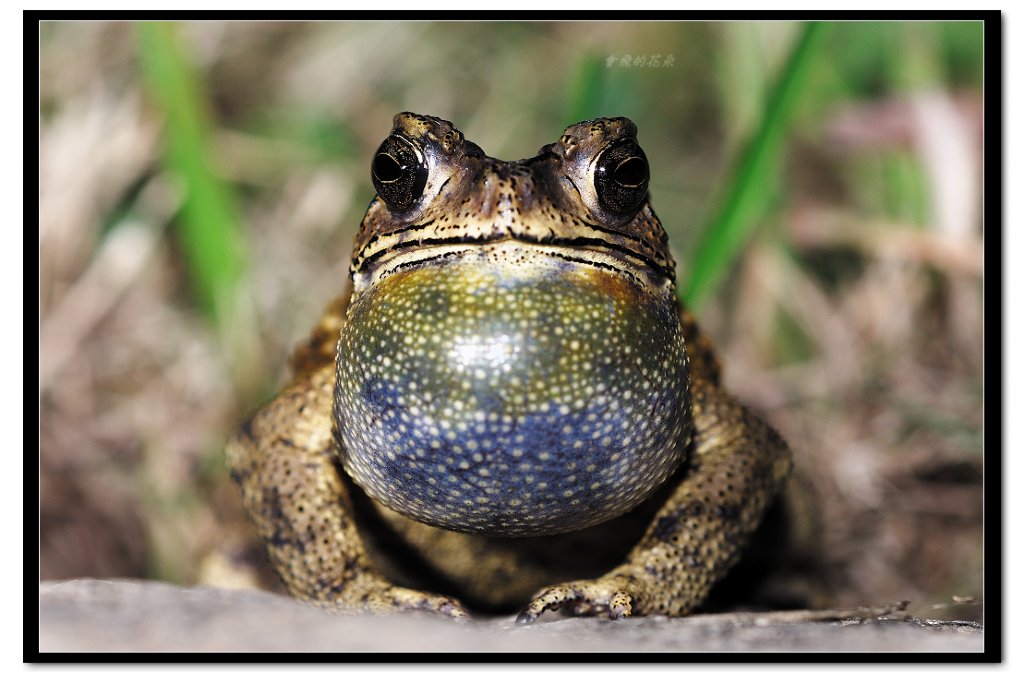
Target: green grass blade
(748, 191)
(585, 89)
(209, 231)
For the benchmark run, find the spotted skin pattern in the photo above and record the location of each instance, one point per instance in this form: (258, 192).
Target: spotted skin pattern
(484, 400)
(507, 406)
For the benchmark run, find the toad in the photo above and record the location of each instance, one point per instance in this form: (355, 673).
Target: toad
(507, 407)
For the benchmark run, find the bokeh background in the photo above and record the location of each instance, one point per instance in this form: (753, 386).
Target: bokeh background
(200, 185)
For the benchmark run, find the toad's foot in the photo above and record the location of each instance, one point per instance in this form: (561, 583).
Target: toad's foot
(616, 597)
(389, 599)
(737, 465)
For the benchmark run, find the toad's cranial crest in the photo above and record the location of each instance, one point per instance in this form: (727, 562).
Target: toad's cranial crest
(508, 397)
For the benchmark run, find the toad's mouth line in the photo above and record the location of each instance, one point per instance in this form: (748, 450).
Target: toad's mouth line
(601, 253)
(604, 259)
(395, 238)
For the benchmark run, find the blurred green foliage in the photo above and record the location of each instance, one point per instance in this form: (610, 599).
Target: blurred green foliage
(749, 189)
(718, 117)
(209, 230)
(264, 121)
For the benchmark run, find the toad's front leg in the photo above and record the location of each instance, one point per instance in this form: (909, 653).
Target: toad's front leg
(737, 464)
(283, 459)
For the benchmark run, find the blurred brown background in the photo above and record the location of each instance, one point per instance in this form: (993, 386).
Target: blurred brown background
(851, 319)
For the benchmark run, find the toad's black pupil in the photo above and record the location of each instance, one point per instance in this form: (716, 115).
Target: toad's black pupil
(386, 169)
(631, 172)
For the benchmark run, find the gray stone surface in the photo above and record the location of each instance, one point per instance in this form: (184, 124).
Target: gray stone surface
(89, 615)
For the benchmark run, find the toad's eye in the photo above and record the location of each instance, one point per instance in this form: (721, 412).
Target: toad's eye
(399, 173)
(621, 177)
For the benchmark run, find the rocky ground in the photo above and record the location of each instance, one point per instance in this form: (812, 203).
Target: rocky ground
(89, 615)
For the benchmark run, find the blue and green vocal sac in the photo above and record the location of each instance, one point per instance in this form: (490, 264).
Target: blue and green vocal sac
(507, 407)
